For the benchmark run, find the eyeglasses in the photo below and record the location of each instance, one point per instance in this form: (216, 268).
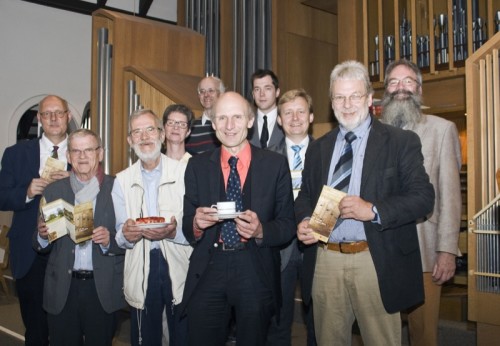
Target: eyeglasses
(181, 124)
(354, 98)
(151, 130)
(48, 115)
(408, 81)
(207, 91)
(87, 151)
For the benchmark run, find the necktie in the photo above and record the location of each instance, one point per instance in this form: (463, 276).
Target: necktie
(342, 173)
(54, 152)
(264, 135)
(233, 193)
(297, 160)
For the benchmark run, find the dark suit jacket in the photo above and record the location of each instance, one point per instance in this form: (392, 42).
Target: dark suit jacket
(267, 191)
(394, 180)
(108, 269)
(20, 164)
(276, 136)
(286, 251)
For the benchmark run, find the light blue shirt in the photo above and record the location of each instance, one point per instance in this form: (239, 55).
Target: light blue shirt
(351, 230)
(151, 183)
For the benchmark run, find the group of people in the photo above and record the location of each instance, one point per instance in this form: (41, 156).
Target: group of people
(189, 279)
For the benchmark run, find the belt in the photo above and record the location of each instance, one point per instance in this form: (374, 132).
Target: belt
(236, 247)
(352, 247)
(83, 274)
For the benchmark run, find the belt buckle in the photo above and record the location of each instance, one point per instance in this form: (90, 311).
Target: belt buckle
(225, 248)
(341, 247)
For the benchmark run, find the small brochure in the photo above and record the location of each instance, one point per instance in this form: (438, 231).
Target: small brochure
(63, 219)
(52, 165)
(326, 213)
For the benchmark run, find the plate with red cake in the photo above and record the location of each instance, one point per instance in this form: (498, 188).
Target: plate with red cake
(151, 222)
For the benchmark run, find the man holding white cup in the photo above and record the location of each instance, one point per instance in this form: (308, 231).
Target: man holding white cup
(235, 262)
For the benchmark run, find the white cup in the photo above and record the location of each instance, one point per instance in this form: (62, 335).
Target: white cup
(224, 208)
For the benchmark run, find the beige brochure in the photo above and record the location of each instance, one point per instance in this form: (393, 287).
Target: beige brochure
(326, 213)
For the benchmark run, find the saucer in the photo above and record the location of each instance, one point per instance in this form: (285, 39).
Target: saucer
(229, 215)
(154, 225)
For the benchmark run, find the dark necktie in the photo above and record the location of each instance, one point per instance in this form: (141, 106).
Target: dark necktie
(264, 136)
(342, 173)
(54, 152)
(233, 193)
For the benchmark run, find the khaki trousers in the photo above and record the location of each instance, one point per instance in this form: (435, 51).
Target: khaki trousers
(345, 288)
(423, 320)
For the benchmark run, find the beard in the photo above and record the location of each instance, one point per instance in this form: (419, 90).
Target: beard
(148, 156)
(402, 113)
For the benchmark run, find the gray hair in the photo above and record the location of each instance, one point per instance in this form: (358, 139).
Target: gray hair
(353, 70)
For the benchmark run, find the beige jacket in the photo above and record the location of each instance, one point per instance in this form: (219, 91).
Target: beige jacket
(442, 161)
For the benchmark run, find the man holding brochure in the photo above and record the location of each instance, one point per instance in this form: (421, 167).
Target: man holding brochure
(83, 282)
(369, 268)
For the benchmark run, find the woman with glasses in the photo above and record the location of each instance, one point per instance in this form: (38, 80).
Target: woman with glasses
(177, 122)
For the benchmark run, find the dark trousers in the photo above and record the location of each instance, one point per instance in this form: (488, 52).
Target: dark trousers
(82, 321)
(147, 324)
(30, 293)
(230, 281)
(280, 334)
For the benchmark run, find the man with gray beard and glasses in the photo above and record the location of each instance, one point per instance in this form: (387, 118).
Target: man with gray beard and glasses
(157, 256)
(438, 234)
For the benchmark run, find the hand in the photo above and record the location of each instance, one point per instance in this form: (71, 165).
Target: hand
(43, 230)
(100, 235)
(305, 233)
(248, 225)
(160, 233)
(444, 268)
(56, 175)
(204, 218)
(354, 207)
(36, 187)
(131, 231)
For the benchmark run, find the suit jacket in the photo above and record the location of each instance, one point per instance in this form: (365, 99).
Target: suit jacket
(267, 191)
(286, 251)
(20, 165)
(108, 268)
(276, 136)
(394, 180)
(442, 161)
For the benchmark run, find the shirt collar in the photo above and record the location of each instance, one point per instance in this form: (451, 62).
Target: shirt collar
(359, 131)
(244, 156)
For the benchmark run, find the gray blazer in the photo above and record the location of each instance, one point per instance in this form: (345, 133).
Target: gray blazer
(442, 162)
(108, 268)
(276, 136)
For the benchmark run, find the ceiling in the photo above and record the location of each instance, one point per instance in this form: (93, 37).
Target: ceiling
(163, 10)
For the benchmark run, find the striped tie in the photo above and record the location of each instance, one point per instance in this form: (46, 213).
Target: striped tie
(297, 160)
(54, 152)
(342, 173)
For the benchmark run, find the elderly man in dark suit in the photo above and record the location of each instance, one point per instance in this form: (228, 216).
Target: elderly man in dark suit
(235, 262)
(370, 267)
(83, 282)
(20, 189)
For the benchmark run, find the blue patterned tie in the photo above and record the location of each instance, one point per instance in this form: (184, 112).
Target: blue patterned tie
(233, 193)
(342, 173)
(297, 160)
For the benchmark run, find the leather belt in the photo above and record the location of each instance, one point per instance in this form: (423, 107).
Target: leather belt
(83, 274)
(352, 247)
(236, 247)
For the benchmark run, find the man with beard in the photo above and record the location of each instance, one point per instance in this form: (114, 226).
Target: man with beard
(370, 268)
(157, 257)
(438, 235)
